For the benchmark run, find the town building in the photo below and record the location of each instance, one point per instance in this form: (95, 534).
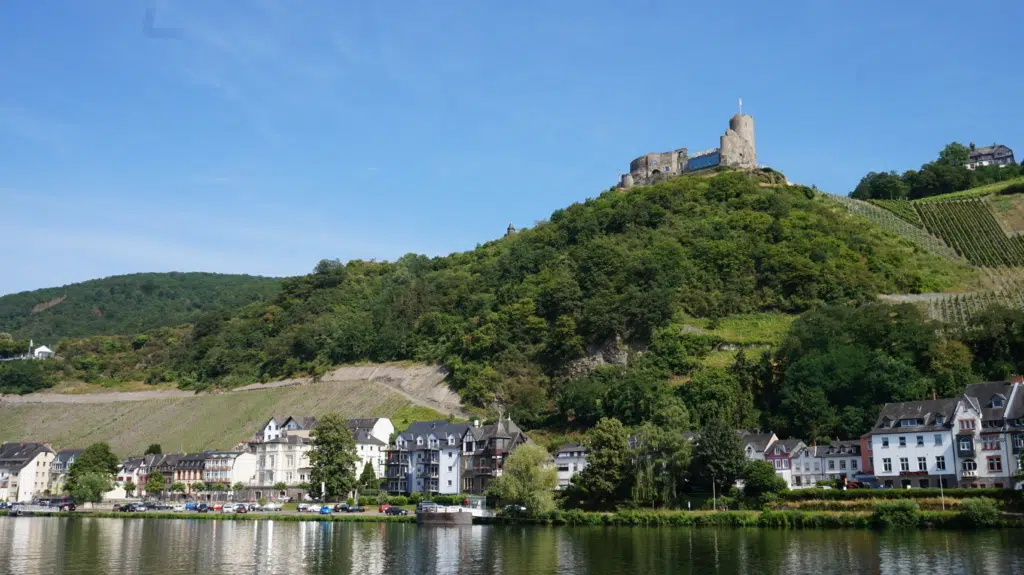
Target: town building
(371, 451)
(994, 155)
(380, 427)
(867, 462)
(62, 461)
(42, 352)
(132, 472)
(277, 425)
(229, 468)
(284, 459)
(780, 454)
(912, 444)
(570, 460)
(986, 429)
(755, 445)
(808, 465)
(24, 470)
(426, 458)
(165, 464)
(484, 450)
(188, 469)
(841, 459)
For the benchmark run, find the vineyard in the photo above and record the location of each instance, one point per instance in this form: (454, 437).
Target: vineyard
(1009, 186)
(895, 225)
(902, 208)
(969, 227)
(958, 309)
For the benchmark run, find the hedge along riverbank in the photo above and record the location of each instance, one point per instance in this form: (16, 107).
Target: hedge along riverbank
(839, 494)
(877, 519)
(213, 516)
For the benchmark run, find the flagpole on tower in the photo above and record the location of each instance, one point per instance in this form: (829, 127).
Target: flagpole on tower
(741, 106)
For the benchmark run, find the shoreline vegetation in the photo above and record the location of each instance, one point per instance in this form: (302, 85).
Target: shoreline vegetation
(953, 520)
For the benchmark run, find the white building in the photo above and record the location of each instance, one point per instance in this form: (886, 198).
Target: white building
(282, 460)
(277, 425)
(42, 352)
(371, 451)
(755, 445)
(379, 427)
(24, 470)
(229, 468)
(987, 431)
(842, 459)
(570, 460)
(808, 463)
(912, 444)
(426, 458)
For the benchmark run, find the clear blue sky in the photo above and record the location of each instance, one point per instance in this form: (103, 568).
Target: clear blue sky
(269, 135)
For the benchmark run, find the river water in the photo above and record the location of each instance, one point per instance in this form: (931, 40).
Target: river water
(50, 546)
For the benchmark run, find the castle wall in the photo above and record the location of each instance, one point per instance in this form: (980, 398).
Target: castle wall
(737, 145)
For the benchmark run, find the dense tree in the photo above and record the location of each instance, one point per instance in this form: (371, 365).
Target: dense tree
(130, 487)
(717, 458)
(96, 459)
(528, 478)
(238, 486)
(368, 479)
(156, 484)
(89, 487)
(198, 487)
(604, 480)
(660, 465)
(24, 376)
(996, 339)
(153, 449)
(760, 478)
(333, 458)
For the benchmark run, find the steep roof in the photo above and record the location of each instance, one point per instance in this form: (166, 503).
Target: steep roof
(788, 446)
(363, 422)
(852, 447)
(440, 428)
(572, 447)
(983, 395)
(998, 150)
(15, 455)
(363, 437)
(927, 410)
(66, 455)
(759, 441)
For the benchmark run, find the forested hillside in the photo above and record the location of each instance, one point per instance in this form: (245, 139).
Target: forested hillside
(126, 304)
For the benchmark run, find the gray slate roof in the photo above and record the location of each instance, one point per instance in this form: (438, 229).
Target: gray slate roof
(363, 422)
(65, 455)
(759, 441)
(440, 428)
(788, 446)
(927, 410)
(363, 437)
(15, 455)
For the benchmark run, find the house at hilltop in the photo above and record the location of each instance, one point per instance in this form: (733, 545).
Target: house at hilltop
(994, 155)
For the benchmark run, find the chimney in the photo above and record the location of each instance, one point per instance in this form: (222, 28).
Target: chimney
(476, 423)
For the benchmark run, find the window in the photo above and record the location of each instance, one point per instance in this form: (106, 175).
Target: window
(778, 463)
(887, 465)
(842, 464)
(807, 466)
(965, 444)
(908, 422)
(990, 442)
(853, 464)
(922, 464)
(940, 462)
(288, 476)
(939, 420)
(1018, 441)
(923, 483)
(969, 465)
(289, 460)
(938, 439)
(449, 468)
(997, 401)
(904, 464)
(777, 451)
(903, 442)
(817, 466)
(920, 441)
(995, 463)
(885, 442)
(831, 464)
(449, 483)
(967, 424)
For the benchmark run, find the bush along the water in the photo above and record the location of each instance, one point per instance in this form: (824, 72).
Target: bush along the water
(900, 514)
(824, 494)
(979, 512)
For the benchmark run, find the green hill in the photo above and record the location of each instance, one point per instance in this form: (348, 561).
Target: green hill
(126, 304)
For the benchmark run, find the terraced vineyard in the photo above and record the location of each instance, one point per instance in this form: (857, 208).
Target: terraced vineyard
(893, 224)
(958, 309)
(969, 227)
(902, 208)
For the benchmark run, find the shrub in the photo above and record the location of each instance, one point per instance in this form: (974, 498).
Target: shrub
(834, 494)
(900, 514)
(350, 501)
(415, 498)
(979, 512)
(398, 500)
(729, 502)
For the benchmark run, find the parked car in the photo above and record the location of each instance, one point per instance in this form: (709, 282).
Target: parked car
(383, 508)
(5, 505)
(396, 511)
(138, 507)
(514, 509)
(227, 508)
(426, 506)
(254, 507)
(241, 508)
(302, 507)
(355, 509)
(272, 507)
(341, 508)
(191, 506)
(203, 508)
(218, 506)
(325, 510)
(178, 507)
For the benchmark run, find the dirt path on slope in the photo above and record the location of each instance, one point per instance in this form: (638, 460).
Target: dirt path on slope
(423, 385)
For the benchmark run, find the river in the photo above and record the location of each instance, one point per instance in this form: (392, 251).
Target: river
(49, 546)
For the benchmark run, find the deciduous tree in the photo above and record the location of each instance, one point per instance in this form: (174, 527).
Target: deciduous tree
(528, 478)
(333, 457)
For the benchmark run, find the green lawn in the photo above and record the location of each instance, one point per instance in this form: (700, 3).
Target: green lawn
(747, 329)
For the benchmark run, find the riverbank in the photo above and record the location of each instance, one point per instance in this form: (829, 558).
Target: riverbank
(214, 516)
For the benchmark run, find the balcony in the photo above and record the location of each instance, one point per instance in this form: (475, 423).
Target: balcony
(431, 471)
(969, 473)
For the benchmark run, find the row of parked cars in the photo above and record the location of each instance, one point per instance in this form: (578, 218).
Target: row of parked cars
(137, 507)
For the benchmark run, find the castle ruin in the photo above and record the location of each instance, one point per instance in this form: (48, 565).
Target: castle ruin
(736, 148)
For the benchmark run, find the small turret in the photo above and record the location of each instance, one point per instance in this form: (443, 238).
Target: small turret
(511, 230)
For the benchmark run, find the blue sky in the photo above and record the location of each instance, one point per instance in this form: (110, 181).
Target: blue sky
(269, 135)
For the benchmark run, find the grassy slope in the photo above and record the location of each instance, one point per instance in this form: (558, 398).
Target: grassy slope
(203, 422)
(126, 304)
(973, 192)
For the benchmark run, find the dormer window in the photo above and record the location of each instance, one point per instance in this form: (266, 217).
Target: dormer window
(886, 422)
(939, 420)
(778, 451)
(997, 401)
(419, 441)
(908, 423)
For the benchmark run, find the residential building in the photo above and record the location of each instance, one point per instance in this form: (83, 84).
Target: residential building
(426, 458)
(912, 444)
(484, 450)
(755, 445)
(42, 352)
(867, 462)
(229, 468)
(780, 455)
(807, 466)
(62, 461)
(284, 459)
(994, 155)
(986, 428)
(167, 465)
(278, 424)
(372, 451)
(24, 470)
(188, 469)
(570, 459)
(380, 427)
(842, 459)
(132, 471)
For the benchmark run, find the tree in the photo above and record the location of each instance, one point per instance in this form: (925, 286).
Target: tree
(759, 478)
(90, 486)
(130, 487)
(178, 487)
(198, 487)
(603, 481)
(97, 458)
(156, 484)
(368, 479)
(527, 478)
(660, 462)
(954, 154)
(280, 486)
(218, 487)
(153, 449)
(333, 458)
(238, 486)
(18, 377)
(718, 458)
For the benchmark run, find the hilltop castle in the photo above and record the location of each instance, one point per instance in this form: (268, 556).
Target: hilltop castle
(736, 148)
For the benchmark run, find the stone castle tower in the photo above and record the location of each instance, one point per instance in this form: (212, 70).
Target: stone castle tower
(736, 148)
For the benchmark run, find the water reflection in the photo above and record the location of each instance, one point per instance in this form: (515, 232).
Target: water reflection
(31, 546)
